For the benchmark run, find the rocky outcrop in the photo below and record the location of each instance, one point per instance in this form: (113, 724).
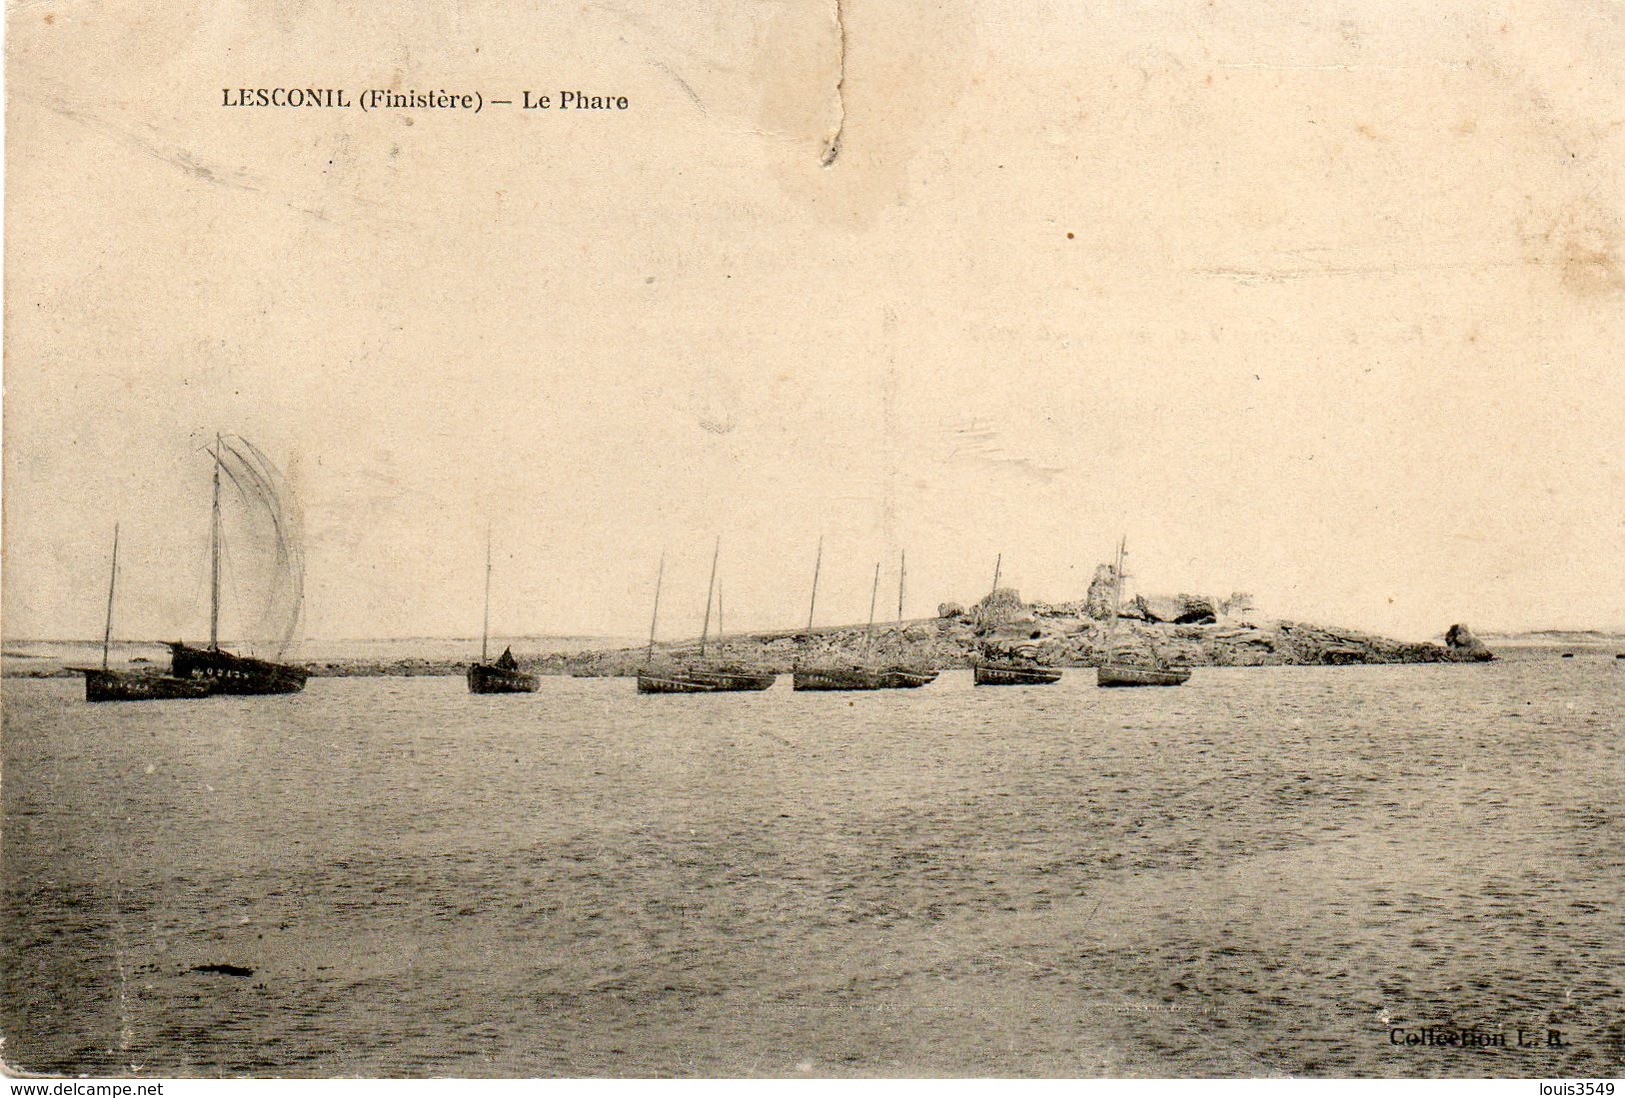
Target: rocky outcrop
(950, 610)
(1097, 604)
(1462, 645)
(1171, 609)
(999, 606)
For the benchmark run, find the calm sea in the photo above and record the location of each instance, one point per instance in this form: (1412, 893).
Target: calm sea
(1268, 871)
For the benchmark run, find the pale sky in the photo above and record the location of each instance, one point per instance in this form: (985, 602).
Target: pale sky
(1328, 307)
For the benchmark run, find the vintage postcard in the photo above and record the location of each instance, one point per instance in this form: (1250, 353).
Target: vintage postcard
(813, 538)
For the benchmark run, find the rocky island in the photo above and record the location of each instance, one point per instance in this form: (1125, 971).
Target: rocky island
(1185, 629)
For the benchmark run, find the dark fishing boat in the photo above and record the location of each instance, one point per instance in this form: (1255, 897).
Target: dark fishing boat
(904, 676)
(225, 673)
(856, 677)
(728, 677)
(836, 678)
(104, 684)
(1010, 672)
(503, 676)
(1126, 674)
(696, 679)
(688, 681)
(863, 678)
(1120, 671)
(500, 677)
(259, 488)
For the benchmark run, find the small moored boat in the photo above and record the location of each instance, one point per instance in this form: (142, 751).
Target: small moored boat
(1010, 674)
(906, 678)
(1117, 671)
(687, 681)
(103, 684)
(836, 678)
(1123, 674)
(902, 676)
(697, 679)
(860, 676)
(856, 677)
(503, 676)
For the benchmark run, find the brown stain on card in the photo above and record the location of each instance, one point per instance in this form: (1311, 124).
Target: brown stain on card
(1583, 246)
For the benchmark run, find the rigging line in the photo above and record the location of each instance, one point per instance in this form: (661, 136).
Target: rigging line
(266, 494)
(263, 488)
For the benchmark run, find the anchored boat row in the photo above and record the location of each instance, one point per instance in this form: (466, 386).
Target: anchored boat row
(707, 680)
(701, 679)
(197, 671)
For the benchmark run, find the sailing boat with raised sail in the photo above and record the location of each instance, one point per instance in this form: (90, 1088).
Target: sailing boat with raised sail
(1117, 671)
(1008, 672)
(696, 679)
(103, 684)
(503, 676)
(267, 506)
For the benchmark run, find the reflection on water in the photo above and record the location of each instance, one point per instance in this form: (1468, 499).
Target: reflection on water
(1267, 871)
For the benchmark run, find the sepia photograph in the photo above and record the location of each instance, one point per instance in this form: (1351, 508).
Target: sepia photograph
(813, 539)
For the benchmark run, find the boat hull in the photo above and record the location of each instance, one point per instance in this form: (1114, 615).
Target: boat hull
(743, 680)
(906, 678)
(1117, 674)
(106, 686)
(862, 678)
(703, 682)
(487, 678)
(228, 674)
(838, 679)
(1003, 675)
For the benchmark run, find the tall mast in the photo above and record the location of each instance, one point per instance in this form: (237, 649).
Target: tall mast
(709, 592)
(214, 555)
(996, 566)
(1117, 593)
(1117, 587)
(719, 613)
(817, 563)
(869, 636)
(485, 623)
(655, 617)
(112, 581)
(902, 574)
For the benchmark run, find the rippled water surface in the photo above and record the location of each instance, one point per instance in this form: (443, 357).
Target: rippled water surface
(1267, 871)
